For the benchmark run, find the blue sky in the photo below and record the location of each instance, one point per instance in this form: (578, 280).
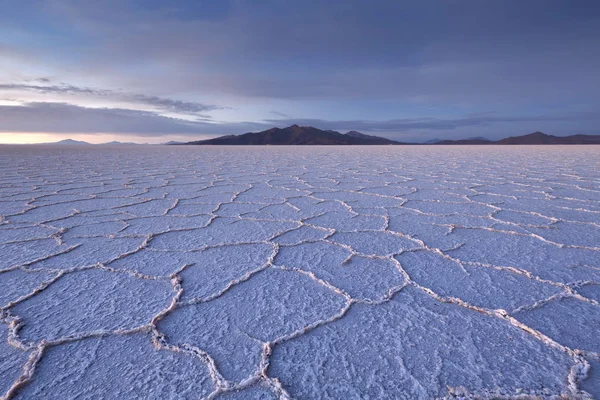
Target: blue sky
(152, 71)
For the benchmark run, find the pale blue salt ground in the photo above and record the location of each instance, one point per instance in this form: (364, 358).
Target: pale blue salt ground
(321, 272)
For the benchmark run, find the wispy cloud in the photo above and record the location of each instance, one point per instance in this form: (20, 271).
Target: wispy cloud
(55, 117)
(160, 103)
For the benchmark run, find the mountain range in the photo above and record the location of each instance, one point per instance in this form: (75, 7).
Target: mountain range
(308, 135)
(297, 135)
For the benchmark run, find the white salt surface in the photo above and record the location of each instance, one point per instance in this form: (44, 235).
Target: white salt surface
(395, 272)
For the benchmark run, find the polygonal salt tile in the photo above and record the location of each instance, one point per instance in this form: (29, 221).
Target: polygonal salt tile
(96, 229)
(446, 208)
(12, 233)
(271, 304)
(117, 367)
(415, 347)
(302, 234)
(571, 234)
(213, 269)
(154, 263)
(12, 361)
(360, 199)
(91, 300)
(360, 277)
(346, 221)
(221, 231)
(187, 210)
(154, 207)
(374, 243)
(151, 225)
(21, 253)
(90, 251)
(237, 209)
(312, 206)
(540, 258)
(568, 321)
(18, 283)
(435, 236)
(522, 218)
(477, 285)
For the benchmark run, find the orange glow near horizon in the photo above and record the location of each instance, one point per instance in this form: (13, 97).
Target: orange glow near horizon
(41, 137)
(26, 138)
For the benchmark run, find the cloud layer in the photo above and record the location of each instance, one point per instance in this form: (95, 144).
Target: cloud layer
(404, 68)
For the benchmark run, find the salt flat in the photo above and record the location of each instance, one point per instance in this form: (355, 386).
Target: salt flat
(299, 272)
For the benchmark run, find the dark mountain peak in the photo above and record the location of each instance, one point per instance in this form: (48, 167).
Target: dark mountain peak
(532, 138)
(537, 134)
(296, 135)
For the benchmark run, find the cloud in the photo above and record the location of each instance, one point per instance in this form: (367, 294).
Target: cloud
(159, 103)
(73, 119)
(69, 118)
(279, 114)
(454, 51)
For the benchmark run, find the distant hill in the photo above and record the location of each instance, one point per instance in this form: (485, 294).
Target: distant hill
(432, 141)
(466, 141)
(542, 138)
(70, 142)
(116, 143)
(532, 138)
(297, 135)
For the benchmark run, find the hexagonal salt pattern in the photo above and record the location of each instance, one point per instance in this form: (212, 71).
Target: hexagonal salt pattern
(182, 272)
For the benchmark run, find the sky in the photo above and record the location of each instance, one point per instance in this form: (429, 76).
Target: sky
(154, 71)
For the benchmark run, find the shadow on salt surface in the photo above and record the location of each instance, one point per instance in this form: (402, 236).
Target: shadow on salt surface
(415, 347)
(231, 328)
(117, 367)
